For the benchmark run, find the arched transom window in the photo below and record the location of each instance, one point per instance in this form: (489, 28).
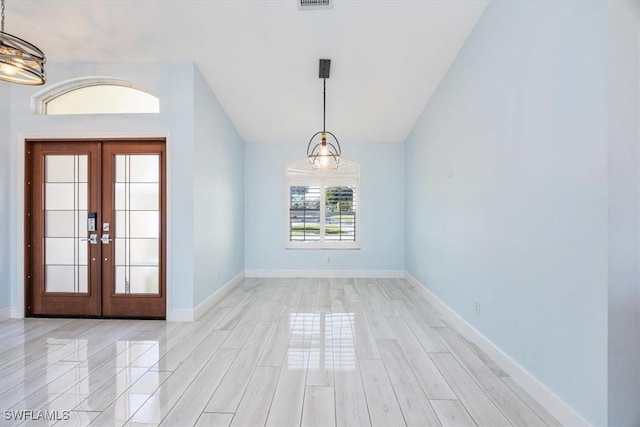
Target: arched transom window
(97, 96)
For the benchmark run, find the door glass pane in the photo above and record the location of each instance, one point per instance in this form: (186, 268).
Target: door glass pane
(141, 251)
(137, 223)
(64, 168)
(138, 168)
(60, 278)
(61, 223)
(137, 280)
(65, 206)
(66, 196)
(138, 196)
(60, 251)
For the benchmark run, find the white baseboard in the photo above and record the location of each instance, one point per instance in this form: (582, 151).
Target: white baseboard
(180, 315)
(213, 299)
(189, 315)
(377, 274)
(5, 313)
(17, 312)
(547, 398)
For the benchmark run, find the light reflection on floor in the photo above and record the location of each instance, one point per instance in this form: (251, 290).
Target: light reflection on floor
(321, 341)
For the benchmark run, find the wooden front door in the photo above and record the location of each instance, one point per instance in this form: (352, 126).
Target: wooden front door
(95, 228)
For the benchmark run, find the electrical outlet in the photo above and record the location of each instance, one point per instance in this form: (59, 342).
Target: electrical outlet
(477, 307)
(328, 260)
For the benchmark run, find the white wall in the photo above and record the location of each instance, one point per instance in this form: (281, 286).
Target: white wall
(5, 201)
(172, 82)
(506, 184)
(218, 194)
(382, 210)
(624, 215)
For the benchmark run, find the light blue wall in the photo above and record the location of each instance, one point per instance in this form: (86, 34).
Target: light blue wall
(218, 194)
(5, 200)
(624, 214)
(382, 214)
(172, 82)
(506, 195)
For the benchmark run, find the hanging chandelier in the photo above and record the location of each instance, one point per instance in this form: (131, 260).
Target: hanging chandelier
(325, 152)
(20, 61)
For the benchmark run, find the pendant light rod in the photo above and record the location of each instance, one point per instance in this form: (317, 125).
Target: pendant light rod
(324, 105)
(323, 73)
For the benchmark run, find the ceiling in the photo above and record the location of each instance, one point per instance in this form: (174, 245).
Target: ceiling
(260, 57)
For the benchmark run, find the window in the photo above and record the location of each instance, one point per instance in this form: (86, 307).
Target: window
(97, 96)
(322, 208)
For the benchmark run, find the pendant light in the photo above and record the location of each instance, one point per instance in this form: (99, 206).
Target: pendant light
(20, 61)
(325, 153)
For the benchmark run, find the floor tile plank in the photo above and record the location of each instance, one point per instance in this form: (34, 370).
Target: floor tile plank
(382, 300)
(132, 399)
(195, 398)
(452, 413)
(381, 401)
(214, 420)
(481, 408)
(242, 330)
(78, 419)
(286, 408)
(163, 399)
(429, 341)
(256, 401)
(321, 352)
(509, 403)
(374, 316)
(363, 337)
(228, 394)
(531, 402)
(432, 381)
(413, 402)
(424, 309)
(351, 402)
(276, 347)
(319, 408)
(172, 358)
(392, 289)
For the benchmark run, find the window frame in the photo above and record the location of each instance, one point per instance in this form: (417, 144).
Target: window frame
(298, 175)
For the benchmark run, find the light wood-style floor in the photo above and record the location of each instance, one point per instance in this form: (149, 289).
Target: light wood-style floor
(276, 352)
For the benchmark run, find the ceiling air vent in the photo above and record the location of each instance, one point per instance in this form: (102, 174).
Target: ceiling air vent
(314, 4)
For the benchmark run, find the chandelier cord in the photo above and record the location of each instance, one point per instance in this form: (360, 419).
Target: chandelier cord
(2, 13)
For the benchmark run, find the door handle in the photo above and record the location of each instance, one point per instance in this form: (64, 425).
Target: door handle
(93, 239)
(105, 239)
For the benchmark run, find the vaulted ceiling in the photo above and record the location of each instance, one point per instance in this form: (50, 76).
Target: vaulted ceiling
(260, 57)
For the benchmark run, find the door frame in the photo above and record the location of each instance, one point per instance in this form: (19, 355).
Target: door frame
(20, 308)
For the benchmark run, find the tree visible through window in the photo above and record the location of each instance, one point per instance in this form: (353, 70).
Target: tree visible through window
(340, 217)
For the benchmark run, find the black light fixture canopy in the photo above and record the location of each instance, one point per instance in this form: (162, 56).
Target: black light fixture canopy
(325, 68)
(20, 61)
(325, 153)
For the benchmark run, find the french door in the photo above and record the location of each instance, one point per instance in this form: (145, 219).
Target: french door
(95, 228)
